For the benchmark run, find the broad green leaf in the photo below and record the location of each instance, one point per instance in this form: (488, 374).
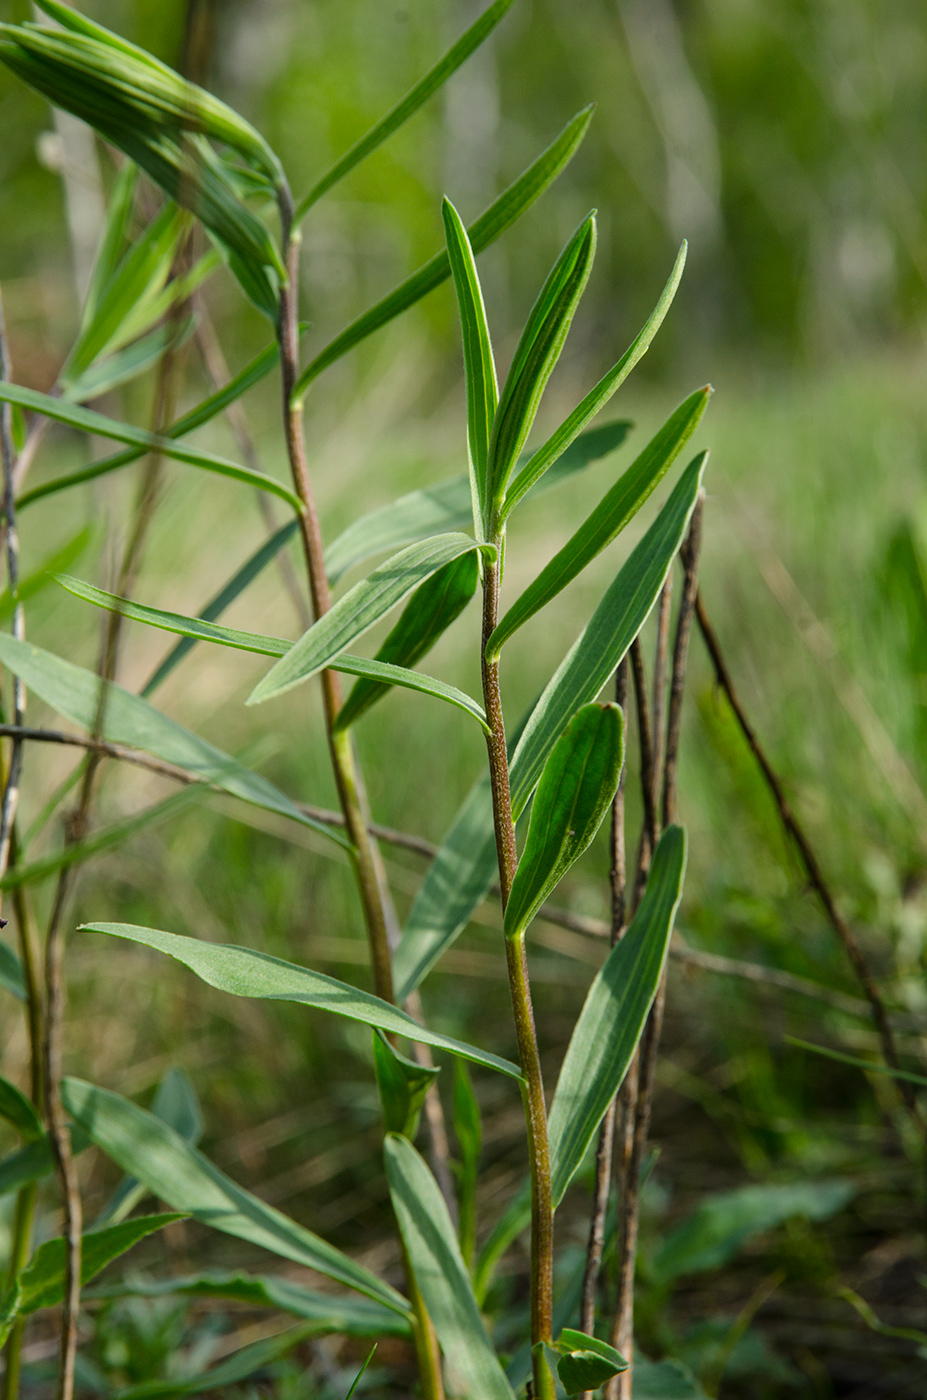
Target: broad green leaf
(468, 1130)
(402, 1084)
(415, 98)
(115, 237)
(175, 1172)
(253, 372)
(20, 1112)
(127, 719)
(715, 1231)
(537, 353)
(610, 631)
(237, 1367)
(586, 1362)
(43, 1279)
(479, 366)
(434, 1254)
(11, 972)
(870, 1066)
(433, 510)
(382, 673)
(425, 618)
(128, 364)
(355, 1317)
(176, 1104)
(575, 791)
(86, 420)
(500, 215)
(32, 1162)
(610, 1024)
(560, 440)
(616, 508)
(244, 972)
(359, 609)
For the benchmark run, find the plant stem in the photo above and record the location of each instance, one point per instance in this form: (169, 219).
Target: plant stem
(542, 1216)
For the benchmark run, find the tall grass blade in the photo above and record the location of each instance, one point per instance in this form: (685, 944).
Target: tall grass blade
(610, 1024)
(440, 1273)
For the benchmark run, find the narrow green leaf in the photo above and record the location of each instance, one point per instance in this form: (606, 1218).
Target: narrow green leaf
(175, 1172)
(86, 420)
(431, 1245)
(428, 614)
(610, 1024)
(354, 1317)
(43, 1279)
(402, 1084)
(415, 98)
(380, 673)
(245, 972)
(41, 577)
(870, 1066)
(11, 972)
(537, 353)
(586, 1362)
(360, 1375)
(34, 1161)
(20, 1111)
(575, 791)
(500, 215)
(479, 366)
(468, 1130)
(616, 508)
(359, 609)
(515, 1219)
(115, 237)
(610, 631)
(260, 366)
(237, 1367)
(176, 1104)
(126, 365)
(597, 397)
(127, 719)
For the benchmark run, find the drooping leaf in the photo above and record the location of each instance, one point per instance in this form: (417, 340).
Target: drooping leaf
(43, 1279)
(426, 617)
(586, 1362)
(127, 719)
(610, 1024)
(434, 1254)
(88, 421)
(402, 1084)
(380, 673)
(237, 1367)
(574, 793)
(616, 508)
(11, 972)
(175, 1172)
(20, 1112)
(479, 366)
(500, 215)
(537, 353)
(359, 609)
(559, 441)
(244, 972)
(468, 1130)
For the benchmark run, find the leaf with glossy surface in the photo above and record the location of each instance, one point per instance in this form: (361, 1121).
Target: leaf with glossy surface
(440, 1273)
(616, 508)
(537, 353)
(244, 972)
(127, 719)
(586, 1363)
(359, 610)
(88, 421)
(610, 1024)
(175, 1172)
(500, 215)
(20, 1112)
(402, 1085)
(559, 441)
(575, 791)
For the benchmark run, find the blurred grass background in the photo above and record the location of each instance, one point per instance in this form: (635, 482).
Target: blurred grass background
(785, 139)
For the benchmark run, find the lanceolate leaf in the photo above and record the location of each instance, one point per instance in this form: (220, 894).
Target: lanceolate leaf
(20, 1112)
(86, 420)
(175, 1103)
(359, 609)
(617, 507)
(380, 673)
(537, 353)
(415, 98)
(500, 215)
(175, 1172)
(468, 1130)
(426, 616)
(115, 237)
(431, 1244)
(43, 1280)
(597, 397)
(11, 973)
(605, 1036)
(52, 564)
(403, 1084)
(128, 364)
(244, 972)
(575, 791)
(34, 1161)
(127, 719)
(479, 366)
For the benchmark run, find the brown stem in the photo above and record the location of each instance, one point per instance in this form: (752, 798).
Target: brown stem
(690, 558)
(810, 862)
(661, 659)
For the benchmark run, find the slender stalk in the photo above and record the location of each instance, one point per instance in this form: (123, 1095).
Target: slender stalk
(664, 615)
(542, 1216)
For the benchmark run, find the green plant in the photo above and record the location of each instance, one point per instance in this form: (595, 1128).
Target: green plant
(562, 773)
